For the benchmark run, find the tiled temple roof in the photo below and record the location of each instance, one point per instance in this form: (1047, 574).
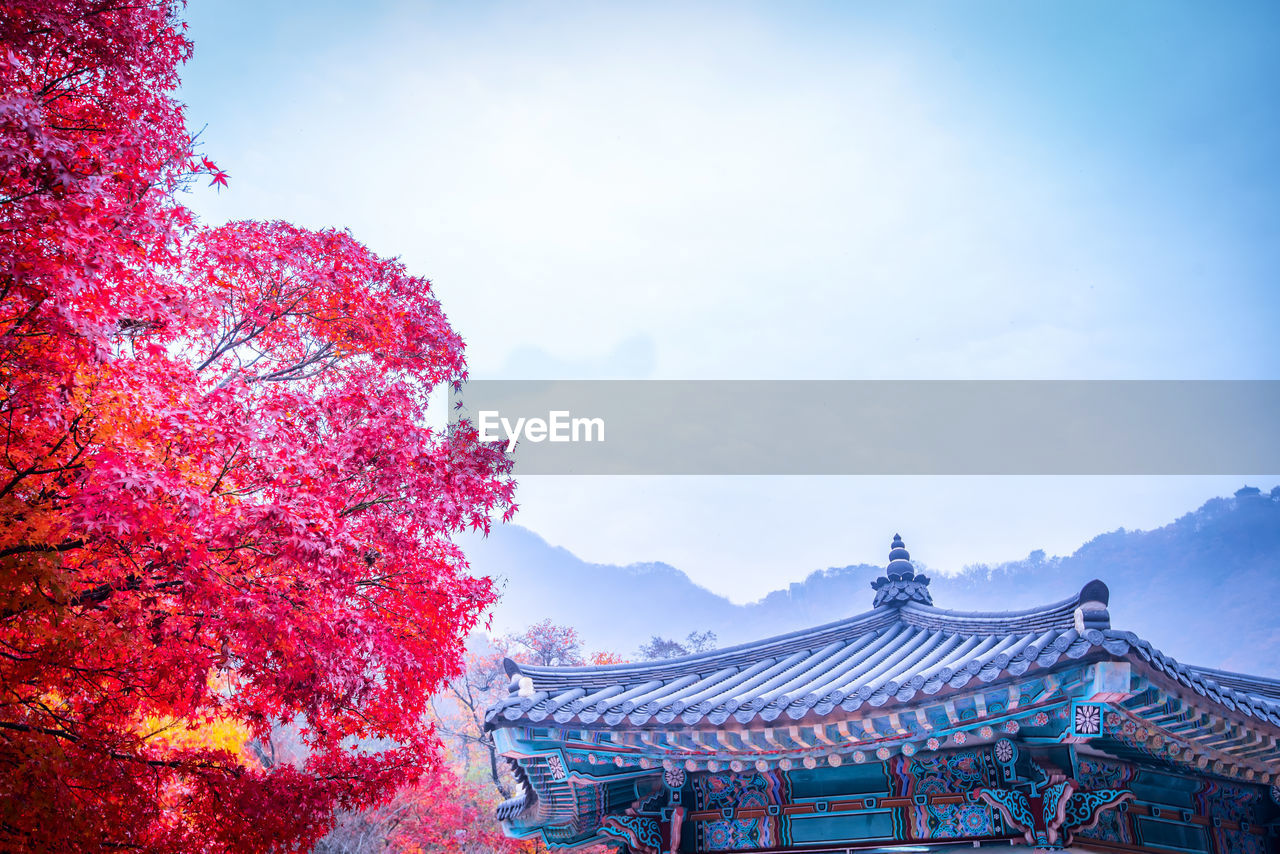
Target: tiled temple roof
(1254, 696)
(902, 648)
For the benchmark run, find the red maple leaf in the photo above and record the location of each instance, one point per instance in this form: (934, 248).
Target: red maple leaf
(221, 507)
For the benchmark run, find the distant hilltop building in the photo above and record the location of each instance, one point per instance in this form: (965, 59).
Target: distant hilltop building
(906, 728)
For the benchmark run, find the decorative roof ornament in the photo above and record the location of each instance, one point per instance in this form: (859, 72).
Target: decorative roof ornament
(900, 584)
(1092, 613)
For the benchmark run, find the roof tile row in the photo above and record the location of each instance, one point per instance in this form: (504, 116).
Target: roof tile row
(891, 653)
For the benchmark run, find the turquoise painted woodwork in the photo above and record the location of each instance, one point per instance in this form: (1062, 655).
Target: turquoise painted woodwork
(907, 725)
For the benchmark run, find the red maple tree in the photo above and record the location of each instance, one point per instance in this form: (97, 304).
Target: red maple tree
(220, 506)
(443, 813)
(545, 643)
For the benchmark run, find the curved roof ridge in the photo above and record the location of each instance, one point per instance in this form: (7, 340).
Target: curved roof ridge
(1069, 604)
(1058, 615)
(872, 620)
(1244, 683)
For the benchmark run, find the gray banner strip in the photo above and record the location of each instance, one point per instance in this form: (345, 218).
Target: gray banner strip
(879, 427)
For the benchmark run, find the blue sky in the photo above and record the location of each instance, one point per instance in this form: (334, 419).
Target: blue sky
(881, 191)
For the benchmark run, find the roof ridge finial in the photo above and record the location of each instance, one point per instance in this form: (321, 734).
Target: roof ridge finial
(900, 584)
(1091, 612)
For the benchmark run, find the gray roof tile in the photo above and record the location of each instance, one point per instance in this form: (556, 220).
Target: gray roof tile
(889, 653)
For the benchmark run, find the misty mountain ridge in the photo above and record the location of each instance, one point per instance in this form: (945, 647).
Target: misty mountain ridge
(1204, 588)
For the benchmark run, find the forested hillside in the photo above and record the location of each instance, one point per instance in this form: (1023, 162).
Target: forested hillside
(1204, 588)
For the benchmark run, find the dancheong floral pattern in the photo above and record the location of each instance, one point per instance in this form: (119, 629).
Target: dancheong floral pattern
(953, 821)
(1087, 805)
(1093, 815)
(937, 775)
(1088, 719)
(738, 834)
(734, 792)
(1111, 827)
(1230, 802)
(1095, 773)
(638, 832)
(555, 767)
(752, 790)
